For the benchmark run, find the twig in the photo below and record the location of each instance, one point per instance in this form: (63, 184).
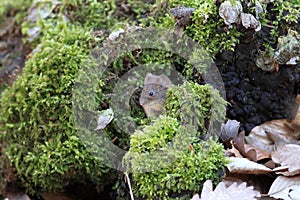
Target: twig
(129, 185)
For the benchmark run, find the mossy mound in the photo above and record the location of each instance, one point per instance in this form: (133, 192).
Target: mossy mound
(167, 158)
(36, 115)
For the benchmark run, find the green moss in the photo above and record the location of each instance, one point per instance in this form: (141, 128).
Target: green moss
(90, 13)
(166, 158)
(36, 115)
(193, 104)
(207, 32)
(209, 29)
(18, 8)
(284, 15)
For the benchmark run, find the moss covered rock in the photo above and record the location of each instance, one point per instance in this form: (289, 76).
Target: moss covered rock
(39, 137)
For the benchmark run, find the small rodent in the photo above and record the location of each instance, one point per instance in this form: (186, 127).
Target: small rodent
(154, 93)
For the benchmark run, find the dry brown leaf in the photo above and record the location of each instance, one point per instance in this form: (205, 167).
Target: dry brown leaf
(270, 164)
(257, 153)
(233, 151)
(281, 169)
(259, 138)
(249, 151)
(287, 156)
(285, 188)
(229, 130)
(245, 166)
(273, 133)
(231, 178)
(283, 132)
(233, 192)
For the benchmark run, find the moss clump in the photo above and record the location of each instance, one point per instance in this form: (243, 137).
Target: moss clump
(194, 104)
(16, 9)
(283, 15)
(39, 137)
(90, 13)
(167, 158)
(209, 29)
(206, 27)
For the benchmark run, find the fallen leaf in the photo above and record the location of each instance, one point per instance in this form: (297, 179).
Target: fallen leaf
(287, 156)
(248, 150)
(233, 151)
(233, 192)
(296, 120)
(245, 166)
(288, 47)
(231, 178)
(273, 133)
(270, 164)
(285, 188)
(259, 138)
(265, 60)
(230, 11)
(196, 197)
(229, 130)
(41, 9)
(249, 21)
(281, 169)
(104, 118)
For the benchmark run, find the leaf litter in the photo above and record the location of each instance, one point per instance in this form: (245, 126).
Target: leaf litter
(269, 152)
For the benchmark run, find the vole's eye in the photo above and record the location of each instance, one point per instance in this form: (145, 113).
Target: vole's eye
(151, 93)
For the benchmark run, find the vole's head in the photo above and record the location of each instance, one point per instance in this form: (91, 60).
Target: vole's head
(154, 94)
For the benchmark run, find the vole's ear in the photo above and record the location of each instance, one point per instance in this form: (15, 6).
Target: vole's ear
(164, 81)
(150, 78)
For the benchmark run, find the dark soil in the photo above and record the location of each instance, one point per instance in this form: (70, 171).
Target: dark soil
(256, 96)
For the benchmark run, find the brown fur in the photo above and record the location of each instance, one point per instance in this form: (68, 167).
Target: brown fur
(154, 94)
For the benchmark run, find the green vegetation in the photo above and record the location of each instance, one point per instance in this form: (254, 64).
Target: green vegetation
(209, 29)
(193, 104)
(285, 16)
(166, 157)
(16, 9)
(36, 114)
(206, 27)
(188, 164)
